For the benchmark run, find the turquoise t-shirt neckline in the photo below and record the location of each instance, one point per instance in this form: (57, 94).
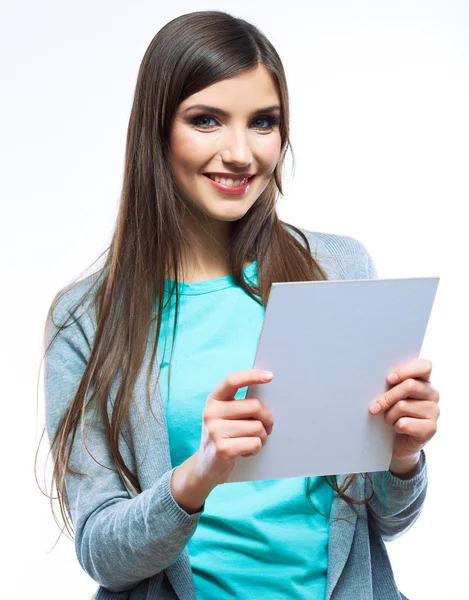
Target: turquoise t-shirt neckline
(195, 288)
(256, 538)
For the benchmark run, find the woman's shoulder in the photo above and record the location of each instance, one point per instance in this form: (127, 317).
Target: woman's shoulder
(74, 302)
(342, 256)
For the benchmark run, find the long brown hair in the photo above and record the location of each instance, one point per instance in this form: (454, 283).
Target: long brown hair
(188, 54)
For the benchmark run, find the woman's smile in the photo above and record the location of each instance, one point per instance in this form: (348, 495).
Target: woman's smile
(230, 186)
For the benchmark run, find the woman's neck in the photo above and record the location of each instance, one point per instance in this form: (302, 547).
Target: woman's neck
(206, 254)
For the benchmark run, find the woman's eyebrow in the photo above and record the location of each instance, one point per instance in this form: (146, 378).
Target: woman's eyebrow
(223, 113)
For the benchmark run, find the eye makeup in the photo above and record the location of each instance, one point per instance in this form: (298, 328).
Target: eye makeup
(270, 119)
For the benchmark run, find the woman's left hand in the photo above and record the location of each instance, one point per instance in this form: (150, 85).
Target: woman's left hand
(411, 407)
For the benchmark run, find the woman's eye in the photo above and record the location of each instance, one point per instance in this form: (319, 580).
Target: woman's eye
(271, 121)
(199, 122)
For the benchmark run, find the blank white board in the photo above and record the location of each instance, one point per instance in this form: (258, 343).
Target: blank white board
(331, 345)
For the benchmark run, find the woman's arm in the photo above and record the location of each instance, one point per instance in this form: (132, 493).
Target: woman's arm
(400, 491)
(119, 540)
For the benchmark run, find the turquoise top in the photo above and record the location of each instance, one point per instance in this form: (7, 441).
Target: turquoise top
(254, 539)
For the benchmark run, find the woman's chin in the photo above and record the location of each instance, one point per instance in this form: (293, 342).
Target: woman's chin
(231, 213)
(223, 209)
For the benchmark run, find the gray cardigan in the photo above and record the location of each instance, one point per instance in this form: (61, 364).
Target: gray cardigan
(133, 545)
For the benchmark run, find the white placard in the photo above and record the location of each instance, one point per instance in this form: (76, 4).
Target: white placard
(331, 345)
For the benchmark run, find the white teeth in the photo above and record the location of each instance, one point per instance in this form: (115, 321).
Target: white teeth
(228, 182)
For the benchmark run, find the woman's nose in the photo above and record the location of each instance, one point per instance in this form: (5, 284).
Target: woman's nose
(237, 149)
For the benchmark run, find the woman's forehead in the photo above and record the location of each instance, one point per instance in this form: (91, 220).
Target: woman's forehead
(248, 91)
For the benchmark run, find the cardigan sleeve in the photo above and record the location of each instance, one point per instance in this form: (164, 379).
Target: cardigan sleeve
(397, 503)
(119, 540)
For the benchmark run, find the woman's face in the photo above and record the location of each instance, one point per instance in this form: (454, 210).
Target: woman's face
(243, 140)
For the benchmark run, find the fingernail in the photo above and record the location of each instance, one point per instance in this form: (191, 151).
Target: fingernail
(393, 377)
(267, 375)
(375, 408)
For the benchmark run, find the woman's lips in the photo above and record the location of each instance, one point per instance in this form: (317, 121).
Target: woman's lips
(231, 189)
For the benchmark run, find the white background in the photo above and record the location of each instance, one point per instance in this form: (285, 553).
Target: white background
(380, 129)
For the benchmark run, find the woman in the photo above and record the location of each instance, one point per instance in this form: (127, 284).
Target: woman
(163, 338)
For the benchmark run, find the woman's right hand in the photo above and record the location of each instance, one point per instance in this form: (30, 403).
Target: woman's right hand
(231, 427)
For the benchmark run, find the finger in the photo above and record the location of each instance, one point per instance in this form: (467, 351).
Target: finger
(243, 446)
(421, 409)
(242, 428)
(227, 388)
(247, 408)
(421, 429)
(420, 368)
(410, 388)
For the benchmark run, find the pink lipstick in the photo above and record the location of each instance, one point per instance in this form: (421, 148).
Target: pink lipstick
(231, 189)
